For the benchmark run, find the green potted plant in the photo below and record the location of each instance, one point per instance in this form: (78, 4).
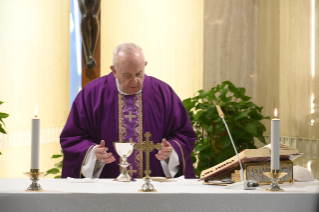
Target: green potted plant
(2, 116)
(243, 117)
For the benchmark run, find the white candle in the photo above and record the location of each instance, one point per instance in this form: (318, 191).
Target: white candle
(275, 134)
(35, 141)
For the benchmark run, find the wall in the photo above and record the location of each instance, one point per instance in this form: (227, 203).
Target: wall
(169, 32)
(34, 69)
(286, 79)
(268, 72)
(230, 43)
(298, 80)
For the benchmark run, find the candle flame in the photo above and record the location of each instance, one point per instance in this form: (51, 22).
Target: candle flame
(36, 111)
(275, 112)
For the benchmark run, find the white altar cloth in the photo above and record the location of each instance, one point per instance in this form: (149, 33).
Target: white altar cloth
(105, 195)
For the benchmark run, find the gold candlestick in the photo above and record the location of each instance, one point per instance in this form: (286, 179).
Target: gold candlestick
(274, 176)
(147, 146)
(34, 175)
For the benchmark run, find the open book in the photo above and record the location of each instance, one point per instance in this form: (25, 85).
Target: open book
(250, 155)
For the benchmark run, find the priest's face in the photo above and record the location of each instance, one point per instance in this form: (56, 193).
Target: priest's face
(130, 71)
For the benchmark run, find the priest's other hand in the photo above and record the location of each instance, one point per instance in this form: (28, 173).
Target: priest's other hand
(101, 155)
(165, 151)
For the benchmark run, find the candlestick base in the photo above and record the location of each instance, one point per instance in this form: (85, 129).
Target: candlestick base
(274, 176)
(34, 175)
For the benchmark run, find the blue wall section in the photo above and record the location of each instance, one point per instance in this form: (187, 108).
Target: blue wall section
(75, 51)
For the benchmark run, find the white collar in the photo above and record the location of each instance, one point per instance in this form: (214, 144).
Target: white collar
(119, 89)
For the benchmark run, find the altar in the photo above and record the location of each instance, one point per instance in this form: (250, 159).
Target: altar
(180, 195)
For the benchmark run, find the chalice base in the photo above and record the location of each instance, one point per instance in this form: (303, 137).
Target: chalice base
(124, 178)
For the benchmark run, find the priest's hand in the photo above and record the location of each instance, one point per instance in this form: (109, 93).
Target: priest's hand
(165, 152)
(101, 155)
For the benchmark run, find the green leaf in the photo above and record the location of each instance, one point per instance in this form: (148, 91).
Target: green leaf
(0, 153)
(256, 115)
(194, 160)
(208, 128)
(189, 104)
(56, 156)
(250, 105)
(241, 92)
(231, 87)
(201, 146)
(206, 153)
(53, 171)
(58, 176)
(202, 93)
(245, 98)
(201, 106)
(2, 130)
(211, 94)
(211, 114)
(4, 115)
(1, 103)
(262, 139)
(242, 114)
(235, 105)
(223, 97)
(224, 141)
(251, 128)
(59, 165)
(260, 126)
(259, 108)
(219, 128)
(2, 122)
(237, 134)
(198, 114)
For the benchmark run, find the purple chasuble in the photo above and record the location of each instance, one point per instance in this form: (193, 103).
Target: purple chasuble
(99, 112)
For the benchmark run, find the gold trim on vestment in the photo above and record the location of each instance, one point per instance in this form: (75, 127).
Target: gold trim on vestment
(138, 155)
(122, 126)
(141, 168)
(182, 155)
(85, 158)
(120, 120)
(119, 116)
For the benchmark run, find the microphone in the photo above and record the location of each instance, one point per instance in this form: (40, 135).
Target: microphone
(248, 184)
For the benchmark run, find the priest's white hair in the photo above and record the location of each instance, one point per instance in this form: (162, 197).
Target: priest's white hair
(125, 47)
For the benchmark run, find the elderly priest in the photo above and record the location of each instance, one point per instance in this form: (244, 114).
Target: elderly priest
(122, 106)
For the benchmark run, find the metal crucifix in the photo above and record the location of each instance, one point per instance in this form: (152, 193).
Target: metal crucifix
(147, 146)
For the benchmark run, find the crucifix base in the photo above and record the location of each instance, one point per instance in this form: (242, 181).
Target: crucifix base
(124, 176)
(147, 186)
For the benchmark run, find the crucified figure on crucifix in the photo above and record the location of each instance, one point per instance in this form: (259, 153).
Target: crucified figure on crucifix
(90, 28)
